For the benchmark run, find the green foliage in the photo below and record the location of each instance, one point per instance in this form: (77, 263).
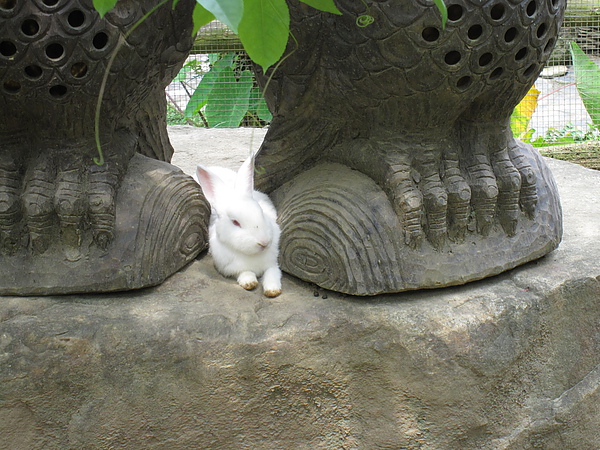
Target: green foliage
(521, 116)
(264, 30)
(443, 11)
(201, 17)
(229, 99)
(174, 117)
(229, 12)
(104, 6)
(262, 25)
(323, 5)
(226, 92)
(587, 75)
(566, 135)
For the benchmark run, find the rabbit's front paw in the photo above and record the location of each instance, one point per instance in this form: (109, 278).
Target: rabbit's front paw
(272, 282)
(247, 280)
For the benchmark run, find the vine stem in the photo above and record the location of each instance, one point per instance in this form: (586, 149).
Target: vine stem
(99, 160)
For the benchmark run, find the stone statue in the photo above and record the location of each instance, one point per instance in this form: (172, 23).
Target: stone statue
(390, 156)
(66, 223)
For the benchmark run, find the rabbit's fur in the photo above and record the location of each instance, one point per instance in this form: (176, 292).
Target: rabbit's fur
(243, 230)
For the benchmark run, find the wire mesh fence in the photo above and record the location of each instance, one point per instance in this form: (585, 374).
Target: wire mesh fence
(216, 87)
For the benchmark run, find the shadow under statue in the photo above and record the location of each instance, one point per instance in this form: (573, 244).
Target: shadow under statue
(67, 224)
(390, 156)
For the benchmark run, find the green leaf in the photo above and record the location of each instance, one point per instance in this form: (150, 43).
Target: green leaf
(587, 76)
(183, 73)
(443, 11)
(229, 12)
(175, 3)
(264, 30)
(202, 93)
(228, 101)
(104, 6)
(527, 136)
(323, 5)
(201, 17)
(259, 106)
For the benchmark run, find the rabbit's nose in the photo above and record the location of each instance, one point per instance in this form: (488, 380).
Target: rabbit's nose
(263, 245)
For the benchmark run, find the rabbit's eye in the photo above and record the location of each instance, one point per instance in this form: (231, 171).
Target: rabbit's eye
(236, 223)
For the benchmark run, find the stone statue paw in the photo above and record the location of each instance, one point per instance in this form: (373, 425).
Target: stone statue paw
(424, 218)
(78, 230)
(442, 191)
(59, 197)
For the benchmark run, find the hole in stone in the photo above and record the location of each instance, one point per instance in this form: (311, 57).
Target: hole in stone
(485, 59)
(30, 27)
(463, 82)
(541, 30)
(497, 11)
(521, 54)
(79, 70)
(452, 58)
(55, 51)
(76, 18)
(430, 34)
(7, 48)
(530, 70)
(510, 34)
(8, 4)
(455, 12)
(12, 86)
(50, 2)
(58, 91)
(531, 8)
(496, 73)
(475, 32)
(33, 71)
(100, 40)
(549, 45)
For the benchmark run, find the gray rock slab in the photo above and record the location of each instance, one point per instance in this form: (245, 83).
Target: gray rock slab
(509, 362)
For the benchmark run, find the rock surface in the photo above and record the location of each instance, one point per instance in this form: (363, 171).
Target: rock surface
(510, 362)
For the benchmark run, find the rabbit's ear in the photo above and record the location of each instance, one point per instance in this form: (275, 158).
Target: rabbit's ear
(209, 183)
(244, 180)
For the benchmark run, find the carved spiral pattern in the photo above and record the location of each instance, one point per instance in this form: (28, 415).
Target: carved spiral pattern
(336, 238)
(174, 216)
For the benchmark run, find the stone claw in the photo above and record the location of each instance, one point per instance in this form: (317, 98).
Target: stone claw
(56, 198)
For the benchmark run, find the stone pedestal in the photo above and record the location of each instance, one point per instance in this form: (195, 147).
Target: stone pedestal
(509, 362)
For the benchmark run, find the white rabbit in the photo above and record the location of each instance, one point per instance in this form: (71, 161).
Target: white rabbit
(243, 230)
